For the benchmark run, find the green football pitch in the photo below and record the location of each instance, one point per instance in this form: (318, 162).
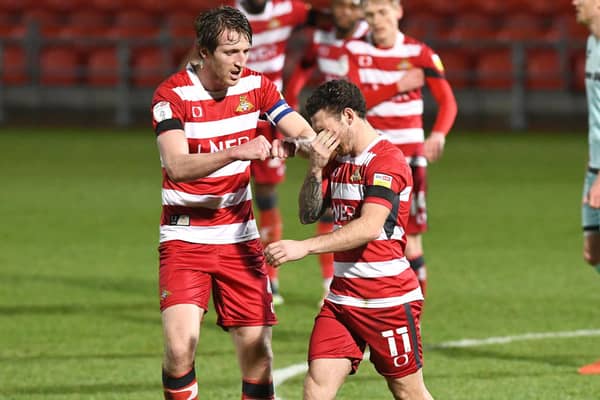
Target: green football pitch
(79, 312)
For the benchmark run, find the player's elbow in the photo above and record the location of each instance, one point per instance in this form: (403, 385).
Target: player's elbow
(175, 173)
(371, 232)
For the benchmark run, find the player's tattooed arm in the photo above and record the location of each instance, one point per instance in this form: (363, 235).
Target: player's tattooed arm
(311, 199)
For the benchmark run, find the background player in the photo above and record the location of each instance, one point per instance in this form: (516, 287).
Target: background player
(375, 298)
(272, 24)
(588, 13)
(382, 57)
(205, 118)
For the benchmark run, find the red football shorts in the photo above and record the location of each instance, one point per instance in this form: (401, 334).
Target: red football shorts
(393, 335)
(272, 170)
(236, 274)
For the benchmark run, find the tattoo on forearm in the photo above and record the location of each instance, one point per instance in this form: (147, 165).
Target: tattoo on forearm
(311, 200)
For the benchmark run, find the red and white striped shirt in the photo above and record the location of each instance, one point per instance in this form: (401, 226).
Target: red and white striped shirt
(271, 30)
(377, 274)
(216, 209)
(400, 117)
(331, 58)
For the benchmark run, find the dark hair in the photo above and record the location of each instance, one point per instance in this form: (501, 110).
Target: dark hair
(334, 96)
(212, 23)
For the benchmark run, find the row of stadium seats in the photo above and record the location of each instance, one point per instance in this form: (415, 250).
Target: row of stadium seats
(544, 69)
(135, 23)
(440, 7)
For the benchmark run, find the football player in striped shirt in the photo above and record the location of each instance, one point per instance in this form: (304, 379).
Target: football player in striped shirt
(588, 13)
(382, 57)
(272, 22)
(375, 298)
(205, 118)
(326, 55)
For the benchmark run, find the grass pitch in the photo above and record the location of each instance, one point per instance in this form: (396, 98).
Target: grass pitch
(79, 312)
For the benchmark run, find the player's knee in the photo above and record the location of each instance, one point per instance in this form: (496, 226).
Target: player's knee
(179, 354)
(315, 391)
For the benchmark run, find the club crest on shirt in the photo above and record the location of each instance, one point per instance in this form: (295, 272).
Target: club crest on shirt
(355, 177)
(274, 23)
(382, 180)
(405, 64)
(244, 105)
(164, 293)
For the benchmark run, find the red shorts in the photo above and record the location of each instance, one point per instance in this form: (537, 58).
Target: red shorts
(417, 219)
(235, 273)
(393, 335)
(270, 171)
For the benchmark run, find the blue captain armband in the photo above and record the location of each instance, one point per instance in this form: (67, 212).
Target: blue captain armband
(278, 111)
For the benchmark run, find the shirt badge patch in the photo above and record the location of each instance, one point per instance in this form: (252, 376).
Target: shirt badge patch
(405, 64)
(244, 105)
(196, 111)
(382, 180)
(162, 111)
(274, 23)
(355, 176)
(437, 62)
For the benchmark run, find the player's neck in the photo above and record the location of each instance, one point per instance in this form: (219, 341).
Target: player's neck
(341, 33)
(211, 85)
(387, 42)
(365, 135)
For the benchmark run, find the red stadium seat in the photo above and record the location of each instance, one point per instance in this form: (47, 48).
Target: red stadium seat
(423, 26)
(12, 31)
(494, 69)
(14, 5)
(471, 26)
(522, 26)
(102, 68)
(180, 24)
(62, 5)
(549, 8)
(109, 5)
(134, 18)
(133, 24)
(59, 67)
(88, 19)
(498, 7)
(42, 17)
(445, 7)
(458, 66)
(150, 67)
(14, 68)
(544, 70)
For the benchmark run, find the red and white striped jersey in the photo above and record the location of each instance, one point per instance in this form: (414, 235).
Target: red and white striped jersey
(376, 274)
(331, 58)
(271, 30)
(400, 117)
(215, 209)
